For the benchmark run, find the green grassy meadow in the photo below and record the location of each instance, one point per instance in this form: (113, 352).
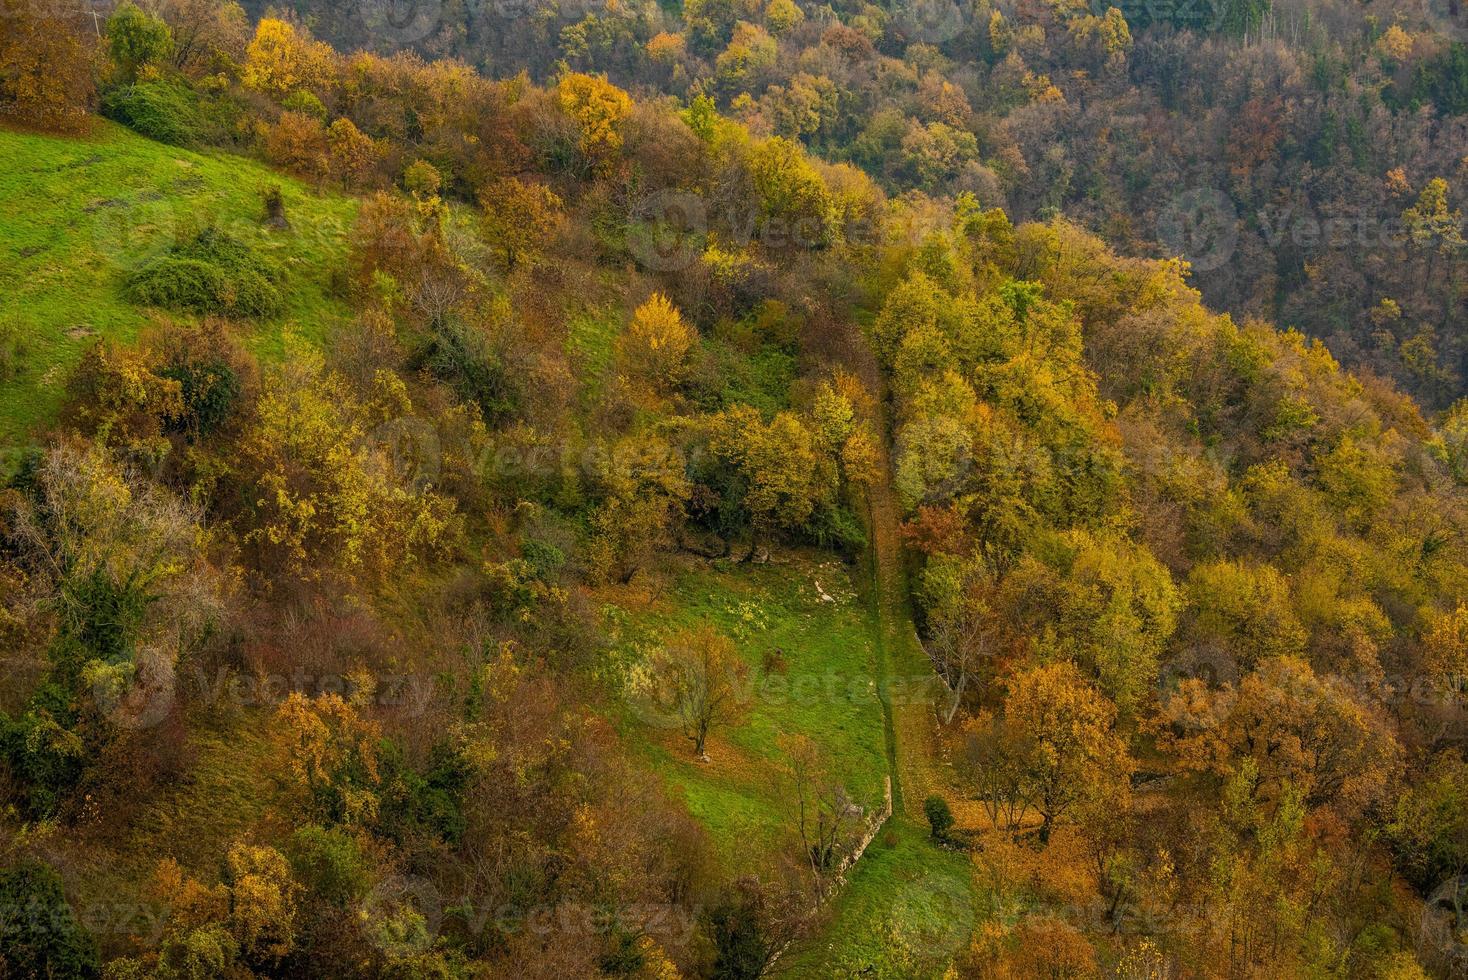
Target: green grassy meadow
(906, 911)
(81, 212)
(907, 905)
(806, 607)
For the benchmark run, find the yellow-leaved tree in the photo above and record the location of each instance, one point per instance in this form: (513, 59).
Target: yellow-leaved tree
(331, 751)
(280, 60)
(654, 350)
(599, 110)
(330, 488)
(1069, 750)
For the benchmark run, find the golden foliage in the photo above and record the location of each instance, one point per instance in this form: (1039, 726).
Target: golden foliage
(599, 109)
(328, 480)
(46, 53)
(655, 347)
(331, 751)
(280, 61)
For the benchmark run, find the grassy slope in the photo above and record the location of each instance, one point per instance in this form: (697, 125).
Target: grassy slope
(81, 212)
(906, 910)
(827, 692)
(909, 906)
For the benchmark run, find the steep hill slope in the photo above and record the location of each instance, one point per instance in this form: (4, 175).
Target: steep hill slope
(81, 213)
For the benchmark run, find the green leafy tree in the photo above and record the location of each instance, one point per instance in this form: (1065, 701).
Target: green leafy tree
(795, 206)
(136, 39)
(771, 476)
(1114, 608)
(1241, 611)
(940, 816)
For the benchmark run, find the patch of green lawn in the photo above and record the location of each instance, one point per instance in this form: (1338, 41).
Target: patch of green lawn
(82, 212)
(806, 608)
(907, 909)
(591, 338)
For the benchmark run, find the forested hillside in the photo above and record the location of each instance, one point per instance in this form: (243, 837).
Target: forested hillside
(731, 491)
(1305, 156)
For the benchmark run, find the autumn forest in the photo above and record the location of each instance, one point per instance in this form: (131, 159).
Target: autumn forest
(725, 489)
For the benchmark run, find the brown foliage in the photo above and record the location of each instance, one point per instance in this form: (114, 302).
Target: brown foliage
(46, 54)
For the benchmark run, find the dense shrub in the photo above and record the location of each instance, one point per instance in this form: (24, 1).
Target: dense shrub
(179, 284)
(213, 372)
(37, 757)
(329, 863)
(422, 806)
(837, 528)
(42, 935)
(211, 273)
(940, 817)
(166, 111)
(465, 356)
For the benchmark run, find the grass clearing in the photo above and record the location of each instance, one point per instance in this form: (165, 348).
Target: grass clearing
(229, 791)
(591, 337)
(83, 212)
(906, 911)
(804, 606)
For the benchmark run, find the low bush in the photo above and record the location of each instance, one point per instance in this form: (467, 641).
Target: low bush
(210, 273)
(163, 110)
(940, 817)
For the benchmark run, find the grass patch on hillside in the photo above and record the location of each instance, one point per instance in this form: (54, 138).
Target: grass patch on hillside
(907, 909)
(591, 338)
(228, 792)
(83, 214)
(806, 608)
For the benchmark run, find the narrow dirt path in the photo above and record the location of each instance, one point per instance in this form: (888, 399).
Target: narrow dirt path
(906, 682)
(881, 627)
